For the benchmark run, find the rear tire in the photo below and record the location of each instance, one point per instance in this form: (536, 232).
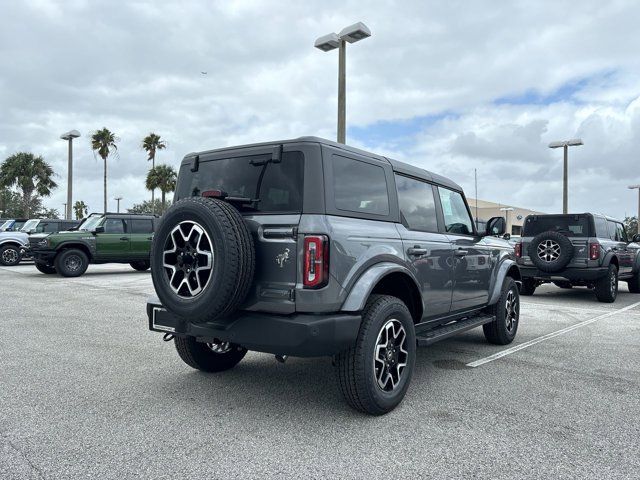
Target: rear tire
(503, 329)
(71, 262)
(606, 288)
(528, 287)
(209, 357)
(46, 269)
(370, 374)
(140, 265)
(9, 255)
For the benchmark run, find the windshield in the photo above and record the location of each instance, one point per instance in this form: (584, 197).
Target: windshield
(5, 225)
(277, 186)
(571, 226)
(30, 225)
(91, 223)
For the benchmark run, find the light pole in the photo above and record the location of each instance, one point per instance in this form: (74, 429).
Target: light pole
(574, 142)
(633, 187)
(117, 199)
(351, 34)
(69, 136)
(506, 211)
(65, 211)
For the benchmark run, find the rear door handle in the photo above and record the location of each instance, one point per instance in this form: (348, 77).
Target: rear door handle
(124, 238)
(461, 253)
(417, 251)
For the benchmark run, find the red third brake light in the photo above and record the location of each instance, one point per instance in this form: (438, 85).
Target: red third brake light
(316, 261)
(594, 251)
(518, 249)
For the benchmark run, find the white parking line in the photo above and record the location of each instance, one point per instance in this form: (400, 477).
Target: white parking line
(548, 336)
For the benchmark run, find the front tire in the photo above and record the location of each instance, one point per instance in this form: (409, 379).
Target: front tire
(634, 283)
(503, 329)
(209, 357)
(71, 262)
(374, 374)
(607, 287)
(9, 255)
(44, 268)
(528, 287)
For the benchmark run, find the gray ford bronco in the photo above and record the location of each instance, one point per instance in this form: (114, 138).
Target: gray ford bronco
(311, 248)
(586, 250)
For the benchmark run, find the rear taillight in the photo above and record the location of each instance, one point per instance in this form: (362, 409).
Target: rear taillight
(316, 261)
(518, 249)
(594, 251)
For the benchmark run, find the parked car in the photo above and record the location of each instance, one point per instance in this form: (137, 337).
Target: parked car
(101, 238)
(586, 250)
(311, 248)
(14, 245)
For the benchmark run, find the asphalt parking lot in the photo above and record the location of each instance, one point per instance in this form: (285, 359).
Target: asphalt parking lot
(86, 391)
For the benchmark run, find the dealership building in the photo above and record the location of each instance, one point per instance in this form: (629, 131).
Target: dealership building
(514, 216)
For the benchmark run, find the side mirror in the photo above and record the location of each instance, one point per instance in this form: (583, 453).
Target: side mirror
(99, 229)
(636, 238)
(496, 226)
(507, 236)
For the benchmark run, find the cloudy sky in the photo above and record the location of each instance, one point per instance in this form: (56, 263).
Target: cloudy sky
(449, 86)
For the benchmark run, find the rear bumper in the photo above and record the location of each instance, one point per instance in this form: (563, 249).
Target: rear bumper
(571, 274)
(300, 335)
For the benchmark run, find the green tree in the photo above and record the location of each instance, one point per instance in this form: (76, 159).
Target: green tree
(103, 142)
(81, 209)
(10, 203)
(631, 226)
(31, 175)
(151, 144)
(147, 208)
(163, 177)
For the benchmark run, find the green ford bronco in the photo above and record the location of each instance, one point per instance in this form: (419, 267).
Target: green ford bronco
(101, 238)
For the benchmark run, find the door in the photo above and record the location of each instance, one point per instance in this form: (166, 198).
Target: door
(140, 235)
(427, 251)
(471, 254)
(621, 247)
(113, 243)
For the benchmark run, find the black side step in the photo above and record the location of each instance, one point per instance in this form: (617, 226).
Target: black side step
(450, 329)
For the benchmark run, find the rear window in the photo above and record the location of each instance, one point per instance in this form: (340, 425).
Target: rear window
(139, 225)
(572, 226)
(278, 186)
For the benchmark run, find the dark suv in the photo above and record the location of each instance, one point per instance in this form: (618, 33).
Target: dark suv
(100, 238)
(585, 249)
(309, 248)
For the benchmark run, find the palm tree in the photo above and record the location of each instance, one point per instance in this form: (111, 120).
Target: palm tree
(104, 143)
(151, 144)
(81, 209)
(30, 174)
(163, 177)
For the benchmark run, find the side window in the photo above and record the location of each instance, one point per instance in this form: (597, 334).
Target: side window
(113, 225)
(40, 228)
(50, 227)
(601, 227)
(359, 187)
(456, 216)
(417, 204)
(138, 225)
(621, 233)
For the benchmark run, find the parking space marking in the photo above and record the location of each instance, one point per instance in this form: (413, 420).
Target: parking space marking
(548, 336)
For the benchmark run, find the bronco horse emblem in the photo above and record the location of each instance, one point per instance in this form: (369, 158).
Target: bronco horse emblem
(282, 258)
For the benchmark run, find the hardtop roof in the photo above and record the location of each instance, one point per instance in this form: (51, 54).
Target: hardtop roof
(398, 166)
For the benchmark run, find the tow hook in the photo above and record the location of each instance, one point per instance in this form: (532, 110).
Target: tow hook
(281, 358)
(167, 337)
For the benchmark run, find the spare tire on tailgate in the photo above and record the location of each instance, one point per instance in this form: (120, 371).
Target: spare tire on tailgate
(550, 251)
(202, 259)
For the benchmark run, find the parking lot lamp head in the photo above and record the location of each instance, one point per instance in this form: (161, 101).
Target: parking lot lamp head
(352, 33)
(574, 142)
(633, 187)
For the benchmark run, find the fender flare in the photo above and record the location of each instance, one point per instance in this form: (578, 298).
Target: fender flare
(505, 267)
(12, 241)
(365, 284)
(76, 244)
(606, 261)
